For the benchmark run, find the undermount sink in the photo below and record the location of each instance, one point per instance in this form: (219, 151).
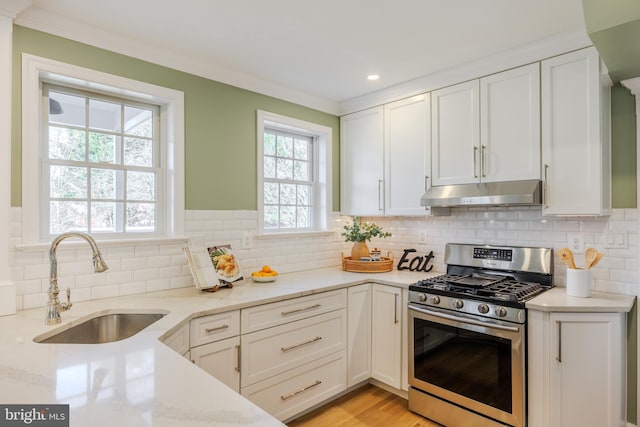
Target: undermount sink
(102, 327)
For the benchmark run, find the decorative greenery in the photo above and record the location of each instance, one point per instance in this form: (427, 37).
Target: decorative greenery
(361, 232)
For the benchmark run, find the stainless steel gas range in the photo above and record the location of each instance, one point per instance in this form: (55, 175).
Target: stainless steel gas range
(467, 335)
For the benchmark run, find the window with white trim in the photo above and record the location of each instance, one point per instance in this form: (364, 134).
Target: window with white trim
(294, 175)
(101, 161)
(101, 153)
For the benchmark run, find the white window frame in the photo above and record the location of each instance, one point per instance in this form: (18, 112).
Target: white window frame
(36, 69)
(322, 194)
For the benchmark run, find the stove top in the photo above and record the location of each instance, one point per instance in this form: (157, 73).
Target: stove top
(488, 281)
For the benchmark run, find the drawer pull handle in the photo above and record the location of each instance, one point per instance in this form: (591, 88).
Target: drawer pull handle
(290, 395)
(218, 328)
(238, 358)
(291, 347)
(298, 310)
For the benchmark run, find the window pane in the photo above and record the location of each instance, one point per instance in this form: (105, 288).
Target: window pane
(269, 144)
(287, 217)
(104, 115)
(138, 152)
(141, 216)
(102, 147)
(270, 193)
(103, 217)
(141, 185)
(104, 183)
(303, 217)
(300, 171)
(269, 167)
(138, 121)
(271, 217)
(71, 110)
(66, 144)
(67, 216)
(304, 192)
(285, 169)
(287, 194)
(68, 182)
(285, 146)
(301, 149)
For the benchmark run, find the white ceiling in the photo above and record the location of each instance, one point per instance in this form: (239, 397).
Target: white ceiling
(319, 49)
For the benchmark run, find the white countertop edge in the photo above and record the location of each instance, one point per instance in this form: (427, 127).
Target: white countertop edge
(557, 300)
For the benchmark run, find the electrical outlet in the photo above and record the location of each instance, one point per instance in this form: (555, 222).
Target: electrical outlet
(247, 240)
(575, 242)
(422, 236)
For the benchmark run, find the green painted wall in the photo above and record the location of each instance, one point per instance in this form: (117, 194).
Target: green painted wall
(623, 148)
(220, 122)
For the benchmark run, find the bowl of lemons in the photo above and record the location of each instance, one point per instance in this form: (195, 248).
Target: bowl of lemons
(265, 274)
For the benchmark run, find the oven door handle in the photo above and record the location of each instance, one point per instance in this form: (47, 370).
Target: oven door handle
(463, 319)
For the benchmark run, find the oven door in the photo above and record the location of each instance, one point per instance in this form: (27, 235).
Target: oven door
(472, 362)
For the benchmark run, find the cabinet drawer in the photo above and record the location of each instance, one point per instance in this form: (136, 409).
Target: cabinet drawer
(278, 313)
(298, 389)
(215, 327)
(272, 351)
(178, 340)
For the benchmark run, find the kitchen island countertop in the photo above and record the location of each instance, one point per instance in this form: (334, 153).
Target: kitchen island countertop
(140, 381)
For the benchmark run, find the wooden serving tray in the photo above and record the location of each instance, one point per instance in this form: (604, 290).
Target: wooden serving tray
(382, 266)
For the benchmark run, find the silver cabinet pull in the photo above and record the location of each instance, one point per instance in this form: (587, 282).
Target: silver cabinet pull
(475, 162)
(483, 161)
(426, 183)
(291, 347)
(238, 358)
(217, 328)
(395, 309)
(380, 195)
(298, 310)
(544, 188)
(559, 356)
(290, 395)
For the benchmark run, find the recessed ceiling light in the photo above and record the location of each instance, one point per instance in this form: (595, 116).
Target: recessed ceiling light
(373, 77)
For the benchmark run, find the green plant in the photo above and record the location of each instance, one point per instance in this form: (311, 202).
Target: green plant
(362, 232)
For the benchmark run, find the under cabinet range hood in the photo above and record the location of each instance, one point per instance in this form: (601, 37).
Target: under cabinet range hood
(485, 194)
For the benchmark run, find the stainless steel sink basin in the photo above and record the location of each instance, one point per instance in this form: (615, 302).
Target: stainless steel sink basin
(102, 327)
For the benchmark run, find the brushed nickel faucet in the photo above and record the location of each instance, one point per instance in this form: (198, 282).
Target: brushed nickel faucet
(55, 307)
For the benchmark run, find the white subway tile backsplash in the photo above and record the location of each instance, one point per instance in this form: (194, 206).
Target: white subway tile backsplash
(148, 268)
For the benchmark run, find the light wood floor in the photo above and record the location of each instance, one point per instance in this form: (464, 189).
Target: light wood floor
(368, 406)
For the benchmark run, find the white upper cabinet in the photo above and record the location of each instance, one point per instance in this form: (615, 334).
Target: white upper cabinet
(455, 112)
(406, 155)
(362, 163)
(576, 154)
(488, 130)
(510, 125)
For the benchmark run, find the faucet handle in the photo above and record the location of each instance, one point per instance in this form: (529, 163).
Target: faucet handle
(66, 305)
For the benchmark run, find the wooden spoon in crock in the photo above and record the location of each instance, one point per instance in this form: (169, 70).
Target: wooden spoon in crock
(567, 257)
(590, 256)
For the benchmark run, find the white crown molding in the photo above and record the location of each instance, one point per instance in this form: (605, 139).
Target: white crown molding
(51, 23)
(632, 84)
(522, 55)
(12, 8)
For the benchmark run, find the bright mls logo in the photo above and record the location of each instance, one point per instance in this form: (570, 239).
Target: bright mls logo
(34, 415)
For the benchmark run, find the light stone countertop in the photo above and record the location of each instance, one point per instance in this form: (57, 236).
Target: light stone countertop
(557, 300)
(139, 381)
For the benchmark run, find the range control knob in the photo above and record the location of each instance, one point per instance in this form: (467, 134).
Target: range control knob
(435, 299)
(501, 311)
(457, 304)
(422, 297)
(483, 308)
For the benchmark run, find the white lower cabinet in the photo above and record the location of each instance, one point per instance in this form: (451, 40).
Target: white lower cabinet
(221, 359)
(577, 369)
(386, 334)
(359, 334)
(178, 340)
(297, 357)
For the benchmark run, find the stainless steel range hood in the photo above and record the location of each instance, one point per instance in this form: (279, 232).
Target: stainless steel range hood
(485, 194)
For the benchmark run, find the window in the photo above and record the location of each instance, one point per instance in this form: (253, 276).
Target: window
(101, 163)
(294, 174)
(107, 157)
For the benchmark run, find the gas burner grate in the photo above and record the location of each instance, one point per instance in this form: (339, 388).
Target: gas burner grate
(508, 289)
